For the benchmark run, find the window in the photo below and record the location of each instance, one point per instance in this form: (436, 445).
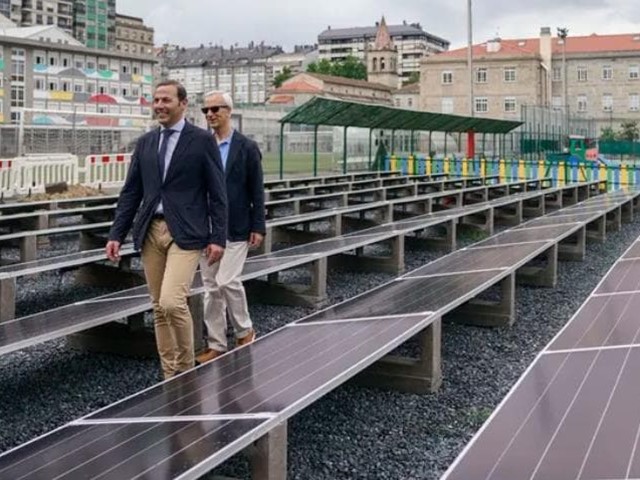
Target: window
(39, 83)
(65, 62)
(634, 72)
(510, 104)
(77, 88)
(582, 103)
(557, 74)
(481, 75)
(102, 66)
(607, 102)
(481, 104)
(556, 102)
(634, 102)
(510, 74)
(607, 72)
(447, 77)
(91, 65)
(410, 102)
(582, 74)
(447, 105)
(397, 102)
(40, 60)
(79, 65)
(53, 85)
(52, 61)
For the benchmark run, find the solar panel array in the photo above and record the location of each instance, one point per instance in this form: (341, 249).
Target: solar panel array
(183, 427)
(574, 413)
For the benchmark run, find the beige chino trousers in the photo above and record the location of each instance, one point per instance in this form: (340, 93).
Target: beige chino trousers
(224, 294)
(169, 271)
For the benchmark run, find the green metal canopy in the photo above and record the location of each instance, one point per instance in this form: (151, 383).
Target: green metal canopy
(325, 111)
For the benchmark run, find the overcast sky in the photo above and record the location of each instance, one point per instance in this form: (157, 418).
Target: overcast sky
(287, 22)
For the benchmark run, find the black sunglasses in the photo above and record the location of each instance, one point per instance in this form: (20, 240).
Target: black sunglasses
(215, 109)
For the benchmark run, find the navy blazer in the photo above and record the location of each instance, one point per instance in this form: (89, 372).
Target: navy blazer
(193, 193)
(245, 189)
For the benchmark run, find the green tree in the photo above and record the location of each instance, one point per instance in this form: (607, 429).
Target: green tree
(282, 77)
(607, 134)
(413, 78)
(323, 66)
(350, 67)
(629, 131)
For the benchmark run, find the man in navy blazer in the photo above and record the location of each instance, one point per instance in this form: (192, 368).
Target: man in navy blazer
(174, 196)
(224, 294)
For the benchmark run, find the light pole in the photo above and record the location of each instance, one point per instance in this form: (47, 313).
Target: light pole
(470, 56)
(562, 34)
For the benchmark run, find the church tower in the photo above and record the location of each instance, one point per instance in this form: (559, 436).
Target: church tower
(382, 59)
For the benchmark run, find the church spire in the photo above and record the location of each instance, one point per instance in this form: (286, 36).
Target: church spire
(383, 38)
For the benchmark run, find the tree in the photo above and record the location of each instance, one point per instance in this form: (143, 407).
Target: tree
(323, 66)
(629, 131)
(413, 78)
(282, 77)
(350, 67)
(607, 134)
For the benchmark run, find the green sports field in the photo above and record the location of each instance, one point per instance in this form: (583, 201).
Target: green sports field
(296, 163)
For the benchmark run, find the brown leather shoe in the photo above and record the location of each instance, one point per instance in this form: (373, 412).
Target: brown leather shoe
(247, 339)
(208, 355)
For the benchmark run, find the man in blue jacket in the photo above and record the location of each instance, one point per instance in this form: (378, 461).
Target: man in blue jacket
(224, 294)
(175, 191)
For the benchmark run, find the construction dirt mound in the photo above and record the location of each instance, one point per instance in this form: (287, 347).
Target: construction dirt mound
(73, 191)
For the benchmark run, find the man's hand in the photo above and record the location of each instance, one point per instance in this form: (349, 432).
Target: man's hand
(113, 250)
(255, 239)
(214, 253)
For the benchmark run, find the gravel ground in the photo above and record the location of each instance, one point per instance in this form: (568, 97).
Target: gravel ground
(352, 433)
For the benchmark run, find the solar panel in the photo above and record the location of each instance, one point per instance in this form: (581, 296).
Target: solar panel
(410, 296)
(623, 277)
(162, 449)
(491, 258)
(602, 321)
(534, 234)
(573, 413)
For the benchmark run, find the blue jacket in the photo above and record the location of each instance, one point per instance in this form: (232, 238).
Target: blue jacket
(193, 193)
(245, 189)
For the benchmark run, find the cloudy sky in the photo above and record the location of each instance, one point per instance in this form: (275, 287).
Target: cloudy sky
(286, 22)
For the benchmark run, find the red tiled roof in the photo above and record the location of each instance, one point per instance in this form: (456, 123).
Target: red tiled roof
(350, 82)
(628, 42)
(281, 99)
(297, 85)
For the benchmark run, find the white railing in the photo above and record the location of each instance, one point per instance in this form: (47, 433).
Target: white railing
(37, 172)
(7, 178)
(31, 173)
(107, 171)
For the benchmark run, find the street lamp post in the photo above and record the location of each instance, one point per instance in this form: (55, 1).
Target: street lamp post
(562, 34)
(470, 56)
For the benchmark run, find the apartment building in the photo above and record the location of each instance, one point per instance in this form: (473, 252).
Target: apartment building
(410, 40)
(12, 9)
(47, 12)
(244, 72)
(602, 78)
(94, 23)
(133, 36)
(46, 68)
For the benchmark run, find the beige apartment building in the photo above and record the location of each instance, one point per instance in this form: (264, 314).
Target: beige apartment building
(133, 36)
(602, 73)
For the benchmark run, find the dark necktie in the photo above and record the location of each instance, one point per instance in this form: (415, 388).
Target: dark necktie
(166, 133)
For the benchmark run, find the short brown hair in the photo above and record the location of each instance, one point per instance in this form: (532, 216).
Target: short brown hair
(182, 92)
